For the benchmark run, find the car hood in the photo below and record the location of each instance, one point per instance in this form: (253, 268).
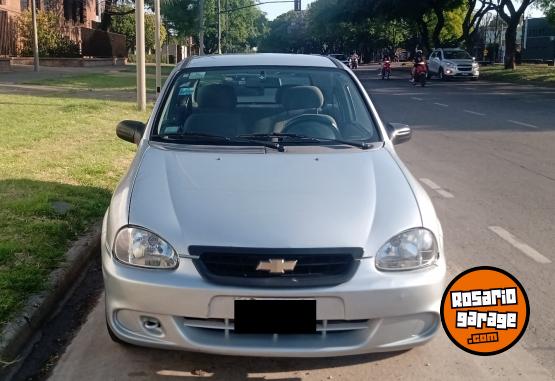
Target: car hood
(339, 198)
(461, 62)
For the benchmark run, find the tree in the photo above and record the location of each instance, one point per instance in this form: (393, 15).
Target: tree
(243, 24)
(548, 7)
(52, 42)
(475, 12)
(125, 24)
(511, 15)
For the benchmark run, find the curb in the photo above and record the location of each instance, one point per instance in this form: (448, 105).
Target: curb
(21, 329)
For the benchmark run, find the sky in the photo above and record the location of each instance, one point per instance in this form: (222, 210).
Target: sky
(274, 10)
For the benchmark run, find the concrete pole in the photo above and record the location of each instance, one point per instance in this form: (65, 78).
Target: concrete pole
(201, 28)
(140, 46)
(219, 26)
(35, 35)
(157, 47)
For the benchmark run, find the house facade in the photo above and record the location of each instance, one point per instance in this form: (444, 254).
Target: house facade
(82, 13)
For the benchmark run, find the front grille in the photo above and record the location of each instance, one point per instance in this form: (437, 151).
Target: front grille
(314, 267)
(465, 68)
(322, 326)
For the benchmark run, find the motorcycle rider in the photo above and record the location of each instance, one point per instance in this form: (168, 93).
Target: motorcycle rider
(419, 59)
(386, 66)
(354, 60)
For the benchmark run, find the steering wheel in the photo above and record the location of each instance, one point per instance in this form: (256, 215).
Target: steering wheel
(312, 125)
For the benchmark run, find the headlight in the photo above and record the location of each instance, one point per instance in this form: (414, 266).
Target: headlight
(139, 247)
(475, 65)
(409, 250)
(449, 64)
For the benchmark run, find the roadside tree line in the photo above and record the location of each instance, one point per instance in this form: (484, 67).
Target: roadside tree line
(370, 26)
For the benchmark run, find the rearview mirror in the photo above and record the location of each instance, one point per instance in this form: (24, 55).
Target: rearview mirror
(130, 131)
(399, 133)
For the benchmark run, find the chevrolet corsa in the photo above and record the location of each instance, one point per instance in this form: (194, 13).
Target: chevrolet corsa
(266, 213)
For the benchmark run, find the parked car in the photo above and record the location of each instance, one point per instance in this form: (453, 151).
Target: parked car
(283, 225)
(343, 58)
(449, 63)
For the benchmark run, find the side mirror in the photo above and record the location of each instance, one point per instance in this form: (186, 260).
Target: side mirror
(130, 131)
(399, 133)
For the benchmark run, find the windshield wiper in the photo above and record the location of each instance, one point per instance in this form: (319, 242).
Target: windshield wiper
(353, 143)
(237, 139)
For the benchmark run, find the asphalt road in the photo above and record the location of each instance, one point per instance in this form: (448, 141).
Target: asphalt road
(486, 154)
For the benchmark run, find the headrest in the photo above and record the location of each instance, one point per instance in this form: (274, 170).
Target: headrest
(217, 96)
(301, 97)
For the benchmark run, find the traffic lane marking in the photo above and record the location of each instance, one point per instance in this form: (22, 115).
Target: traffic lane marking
(474, 112)
(522, 123)
(437, 188)
(417, 99)
(441, 104)
(521, 246)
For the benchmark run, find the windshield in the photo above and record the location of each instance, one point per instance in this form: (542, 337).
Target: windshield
(305, 106)
(456, 55)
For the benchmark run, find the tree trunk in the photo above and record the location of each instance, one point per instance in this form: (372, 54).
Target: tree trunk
(424, 35)
(439, 26)
(510, 45)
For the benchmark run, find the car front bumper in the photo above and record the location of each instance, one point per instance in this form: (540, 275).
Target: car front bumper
(372, 312)
(455, 72)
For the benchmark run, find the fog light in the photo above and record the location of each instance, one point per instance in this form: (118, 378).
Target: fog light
(151, 325)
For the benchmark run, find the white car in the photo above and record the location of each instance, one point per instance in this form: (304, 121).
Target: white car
(450, 63)
(266, 213)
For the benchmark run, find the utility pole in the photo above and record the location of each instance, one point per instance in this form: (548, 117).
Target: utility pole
(157, 48)
(219, 26)
(35, 35)
(201, 28)
(140, 47)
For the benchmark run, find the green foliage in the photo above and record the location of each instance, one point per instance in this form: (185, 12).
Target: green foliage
(242, 29)
(126, 25)
(52, 42)
(548, 7)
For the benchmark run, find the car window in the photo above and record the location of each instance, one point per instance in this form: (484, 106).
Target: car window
(456, 55)
(232, 102)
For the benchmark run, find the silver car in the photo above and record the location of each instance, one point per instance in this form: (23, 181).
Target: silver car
(266, 213)
(452, 62)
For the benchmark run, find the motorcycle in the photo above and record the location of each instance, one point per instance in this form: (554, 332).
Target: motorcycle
(420, 74)
(386, 69)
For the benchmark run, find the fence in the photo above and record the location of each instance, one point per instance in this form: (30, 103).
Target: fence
(7, 35)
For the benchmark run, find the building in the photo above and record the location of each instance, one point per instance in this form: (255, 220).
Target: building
(538, 40)
(81, 13)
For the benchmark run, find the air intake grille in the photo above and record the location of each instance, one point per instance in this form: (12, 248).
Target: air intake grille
(313, 267)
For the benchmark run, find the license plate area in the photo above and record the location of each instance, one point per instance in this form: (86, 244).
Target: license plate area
(275, 316)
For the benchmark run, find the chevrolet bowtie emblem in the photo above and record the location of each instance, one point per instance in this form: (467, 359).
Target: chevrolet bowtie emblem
(276, 266)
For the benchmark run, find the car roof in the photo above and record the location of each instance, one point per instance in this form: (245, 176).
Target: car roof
(259, 59)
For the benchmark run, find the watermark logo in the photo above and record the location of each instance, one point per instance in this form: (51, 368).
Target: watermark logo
(485, 310)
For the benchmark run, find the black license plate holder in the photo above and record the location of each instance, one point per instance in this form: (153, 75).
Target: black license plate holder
(275, 316)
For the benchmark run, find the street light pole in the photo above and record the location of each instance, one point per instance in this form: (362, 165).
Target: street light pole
(140, 46)
(201, 28)
(35, 36)
(157, 48)
(219, 26)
